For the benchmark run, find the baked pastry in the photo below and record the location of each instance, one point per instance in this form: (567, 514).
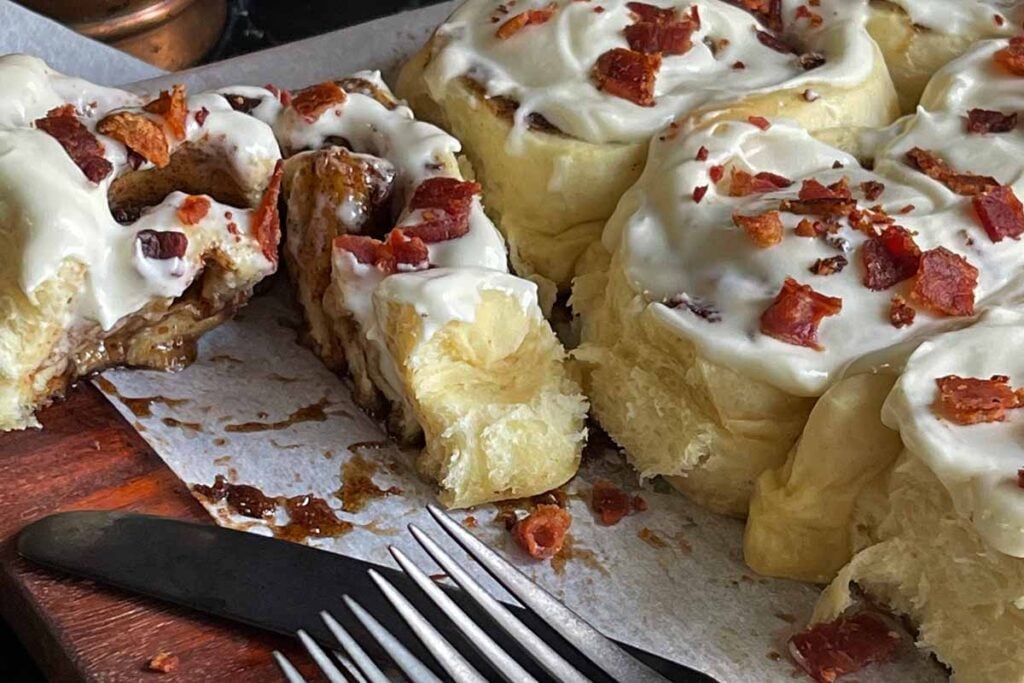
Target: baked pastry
(941, 528)
(403, 280)
(918, 37)
(752, 264)
(129, 227)
(555, 102)
(799, 525)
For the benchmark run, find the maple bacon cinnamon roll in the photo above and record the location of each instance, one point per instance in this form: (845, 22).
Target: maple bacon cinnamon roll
(556, 102)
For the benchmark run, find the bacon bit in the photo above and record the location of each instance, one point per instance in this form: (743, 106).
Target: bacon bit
(628, 74)
(397, 249)
(139, 133)
(173, 107)
(826, 206)
(768, 11)
(702, 154)
(890, 258)
(811, 60)
(804, 12)
(542, 532)
(848, 644)
(829, 266)
(907, 209)
(793, 317)
(599, 10)
(967, 400)
(524, 19)
(699, 192)
(811, 189)
(759, 121)
(162, 245)
(764, 229)
(716, 173)
(659, 30)
(266, 222)
(901, 314)
(808, 228)
(742, 184)
(872, 189)
(988, 121)
(201, 115)
(310, 103)
(945, 283)
(964, 184)
(774, 42)
(999, 19)
(639, 504)
(610, 502)
(651, 13)
(163, 663)
(446, 204)
(85, 150)
(193, 209)
(1011, 57)
(242, 103)
(1001, 213)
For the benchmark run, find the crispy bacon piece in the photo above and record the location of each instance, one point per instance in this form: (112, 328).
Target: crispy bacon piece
(716, 172)
(173, 107)
(266, 222)
(1011, 57)
(793, 317)
(808, 228)
(772, 41)
(445, 204)
(811, 189)
(651, 13)
(310, 103)
(826, 206)
(628, 74)
(768, 11)
(542, 532)
(1000, 212)
(890, 258)
(85, 150)
(660, 29)
(520, 21)
(193, 210)
(901, 314)
(161, 245)
(945, 283)
(389, 256)
(968, 400)
(743, 183)
(699, 192)
(966, 184)
(702, 153)
(764, 229)
(759, 121)
(829, 266)
(872, 189)
(138, 133)
(609, 502)
(201, 115)
(848, 644)
(988, 121)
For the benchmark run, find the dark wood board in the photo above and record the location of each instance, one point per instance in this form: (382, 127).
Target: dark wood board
(88, 457)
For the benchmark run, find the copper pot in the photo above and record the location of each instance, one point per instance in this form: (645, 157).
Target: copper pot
(171, 34)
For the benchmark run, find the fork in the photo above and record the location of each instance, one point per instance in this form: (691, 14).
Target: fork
(602, 652)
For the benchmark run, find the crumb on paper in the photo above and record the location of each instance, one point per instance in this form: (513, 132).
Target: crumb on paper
(163, 663)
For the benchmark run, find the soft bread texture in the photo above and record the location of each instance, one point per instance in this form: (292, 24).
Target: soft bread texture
(710, 430)
(551, 192)
(929, 562)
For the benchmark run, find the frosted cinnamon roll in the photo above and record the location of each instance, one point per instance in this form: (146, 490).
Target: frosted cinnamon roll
(129, 226)
(555, 102)
(403, 281)
(752, 265)
(918, 37)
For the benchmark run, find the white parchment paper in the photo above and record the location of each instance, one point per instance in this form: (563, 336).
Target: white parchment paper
(259, 409)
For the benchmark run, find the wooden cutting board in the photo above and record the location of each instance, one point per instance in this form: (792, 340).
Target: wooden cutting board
(87, 457)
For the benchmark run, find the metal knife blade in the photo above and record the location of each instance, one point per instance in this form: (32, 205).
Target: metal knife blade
(263, 582)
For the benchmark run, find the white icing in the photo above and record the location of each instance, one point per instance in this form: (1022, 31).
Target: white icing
(965, 16)
(976, 463)
(547, 67)
(50, 212)
(671, 246)
(974, 80)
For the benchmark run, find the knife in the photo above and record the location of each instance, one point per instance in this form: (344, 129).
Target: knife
(268, 583)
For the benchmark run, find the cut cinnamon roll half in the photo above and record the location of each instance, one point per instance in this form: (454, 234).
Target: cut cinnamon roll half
(130, 226)
(918, 37)
(752, 265)
(403, 281)
(556, 102)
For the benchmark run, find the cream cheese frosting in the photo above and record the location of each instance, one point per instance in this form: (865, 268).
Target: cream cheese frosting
(50, 212)
(977, 463)
(973, 80)
(546, 68)
(675, 249)
(965, 16)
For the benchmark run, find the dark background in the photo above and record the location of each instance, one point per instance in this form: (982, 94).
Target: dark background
(253, 25)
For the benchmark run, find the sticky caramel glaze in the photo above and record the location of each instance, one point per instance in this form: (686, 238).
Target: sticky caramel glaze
(357, 485)
(141, 406)
(310, 413)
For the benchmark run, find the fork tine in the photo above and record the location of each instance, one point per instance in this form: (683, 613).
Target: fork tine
(533, 644)
(447, 656)
(407, 662)
(321, 659)
(351, 647)
(588, 640)
(289, 671)
(476, 636)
